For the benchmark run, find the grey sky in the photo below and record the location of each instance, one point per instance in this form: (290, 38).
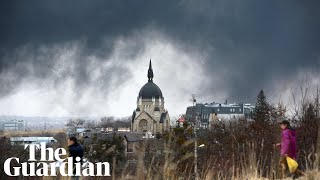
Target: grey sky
(84, 57)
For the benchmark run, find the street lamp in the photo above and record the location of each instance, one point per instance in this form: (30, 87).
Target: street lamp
(194, 103)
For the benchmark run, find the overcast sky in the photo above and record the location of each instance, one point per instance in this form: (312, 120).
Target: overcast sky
(90, 58)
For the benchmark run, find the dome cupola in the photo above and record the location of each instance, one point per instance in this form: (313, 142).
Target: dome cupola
(150, 90)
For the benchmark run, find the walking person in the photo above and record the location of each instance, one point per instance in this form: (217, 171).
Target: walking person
(75, 150)
(288, 148)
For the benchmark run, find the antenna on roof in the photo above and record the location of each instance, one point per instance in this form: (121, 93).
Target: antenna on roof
(193, 99)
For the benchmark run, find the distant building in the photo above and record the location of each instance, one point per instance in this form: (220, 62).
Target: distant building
(150, 114)
(109, 129)
(132, 141)
(180, 121)
(32, 140)
(12, 125)
(208, 112)
(123, 129)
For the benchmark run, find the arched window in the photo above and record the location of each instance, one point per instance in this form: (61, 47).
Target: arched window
(143, 125)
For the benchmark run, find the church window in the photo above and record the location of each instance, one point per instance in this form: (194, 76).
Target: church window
(143, 125)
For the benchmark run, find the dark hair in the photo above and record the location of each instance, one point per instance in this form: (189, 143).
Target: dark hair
(73, 139)
(285, 122)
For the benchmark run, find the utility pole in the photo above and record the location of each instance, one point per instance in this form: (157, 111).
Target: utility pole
(113, 166)
(195, 149)
(194, 102)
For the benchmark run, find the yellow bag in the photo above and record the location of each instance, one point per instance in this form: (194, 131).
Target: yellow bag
(292, 164)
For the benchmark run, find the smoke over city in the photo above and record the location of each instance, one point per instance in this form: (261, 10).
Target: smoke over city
(90, 58)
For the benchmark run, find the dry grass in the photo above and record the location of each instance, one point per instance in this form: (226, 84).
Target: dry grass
(250, 169)
(167, 167)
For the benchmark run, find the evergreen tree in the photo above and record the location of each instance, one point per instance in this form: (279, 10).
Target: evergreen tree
(264, 131)
(262, 108)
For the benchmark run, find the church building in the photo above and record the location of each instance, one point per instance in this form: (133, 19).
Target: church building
(150, 114)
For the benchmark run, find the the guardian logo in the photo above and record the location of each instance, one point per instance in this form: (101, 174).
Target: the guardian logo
(41, 167)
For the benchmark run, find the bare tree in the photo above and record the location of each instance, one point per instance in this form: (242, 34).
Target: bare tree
(89, 124)
(300, 97)
(305, 113)
(106, 121)
(73, 124)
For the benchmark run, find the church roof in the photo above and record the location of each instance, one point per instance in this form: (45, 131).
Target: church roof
(150, 90)
(129, 136)
(163, 117)
(133, 137)
(133, 116)
(144, 112)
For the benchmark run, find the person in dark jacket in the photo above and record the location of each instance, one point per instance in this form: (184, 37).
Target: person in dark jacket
(75, 150)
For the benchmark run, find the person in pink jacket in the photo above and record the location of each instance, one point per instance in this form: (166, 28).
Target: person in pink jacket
(288, 143)
(288, 147)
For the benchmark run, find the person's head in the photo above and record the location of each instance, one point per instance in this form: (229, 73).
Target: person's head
(72, 140)
(284, 124)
